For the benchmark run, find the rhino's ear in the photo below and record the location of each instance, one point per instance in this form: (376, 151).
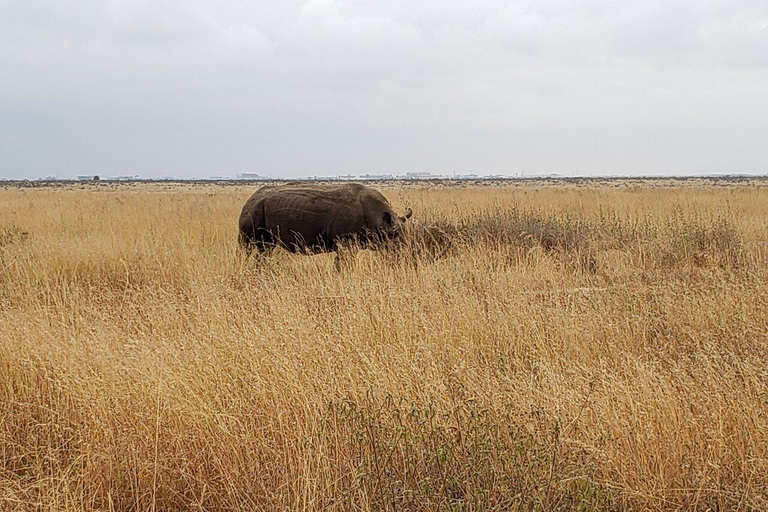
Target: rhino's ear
(387, 217)
(408, 213)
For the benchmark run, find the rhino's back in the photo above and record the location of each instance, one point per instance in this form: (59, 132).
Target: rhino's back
(301, 215)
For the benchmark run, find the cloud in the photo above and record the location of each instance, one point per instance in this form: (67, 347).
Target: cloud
(247, 37)
(311, 87)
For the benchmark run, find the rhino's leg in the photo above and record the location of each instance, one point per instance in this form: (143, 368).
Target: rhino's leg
(253, 235)
(250, 246)
(246, 237)
(257, 244)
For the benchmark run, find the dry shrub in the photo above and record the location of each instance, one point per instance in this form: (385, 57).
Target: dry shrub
(435, 240)
(513, 227)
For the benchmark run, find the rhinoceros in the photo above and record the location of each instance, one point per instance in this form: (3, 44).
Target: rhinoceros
(311, 219)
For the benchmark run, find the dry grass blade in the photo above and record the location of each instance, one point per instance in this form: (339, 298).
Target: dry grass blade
(552, 348)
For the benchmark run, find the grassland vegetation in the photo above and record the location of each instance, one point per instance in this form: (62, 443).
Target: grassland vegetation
(553, 348)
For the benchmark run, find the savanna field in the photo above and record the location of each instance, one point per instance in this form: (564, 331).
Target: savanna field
(580, 346)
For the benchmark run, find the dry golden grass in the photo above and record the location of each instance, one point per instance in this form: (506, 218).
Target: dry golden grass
(577, 349)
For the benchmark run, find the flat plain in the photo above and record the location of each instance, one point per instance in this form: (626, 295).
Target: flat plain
(598, 345)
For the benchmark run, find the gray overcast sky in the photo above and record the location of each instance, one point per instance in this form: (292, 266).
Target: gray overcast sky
(291, 88)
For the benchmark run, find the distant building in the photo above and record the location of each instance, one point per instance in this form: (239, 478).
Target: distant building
(376, 177)
(417, 175)
(252, 176)
(85, 177)
(467, 177)
(346, 176)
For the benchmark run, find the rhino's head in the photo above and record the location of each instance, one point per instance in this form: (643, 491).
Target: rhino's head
(393, 227)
